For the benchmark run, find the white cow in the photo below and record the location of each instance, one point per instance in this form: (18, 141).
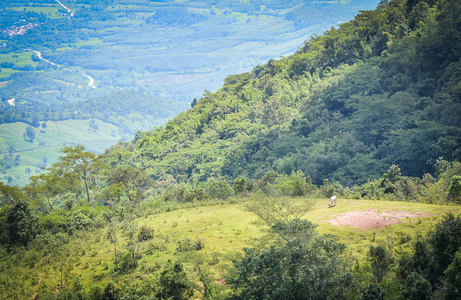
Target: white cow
(332, 202)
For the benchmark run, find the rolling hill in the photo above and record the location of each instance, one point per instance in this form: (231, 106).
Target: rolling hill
(229, 199)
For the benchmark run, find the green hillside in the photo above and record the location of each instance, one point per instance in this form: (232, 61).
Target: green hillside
(229, 200)
(222, 229)
(137, 64)
(172, 50)
(379, 90)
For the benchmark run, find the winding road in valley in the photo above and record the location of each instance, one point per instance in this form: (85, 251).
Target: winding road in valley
(91, 80)
(66, 8)
(40, 56)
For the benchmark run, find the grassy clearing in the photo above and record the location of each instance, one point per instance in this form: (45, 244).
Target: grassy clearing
(224, 229)
(90, 42)
(5, 72)
(19, 58)
(51, 10)
(358, 240)
(48, 142)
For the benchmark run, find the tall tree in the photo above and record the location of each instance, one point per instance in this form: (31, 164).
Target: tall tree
(132, 182)
(21, 223)
(83, 163)
(30, 133)
(307, 266)
(9, 195)
(51, 187)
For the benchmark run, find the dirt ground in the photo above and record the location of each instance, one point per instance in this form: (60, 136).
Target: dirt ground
(370, 218)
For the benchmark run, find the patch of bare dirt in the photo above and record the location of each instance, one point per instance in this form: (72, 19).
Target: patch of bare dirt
(370, 218)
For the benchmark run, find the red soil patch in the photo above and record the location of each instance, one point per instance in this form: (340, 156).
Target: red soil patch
(370, 218)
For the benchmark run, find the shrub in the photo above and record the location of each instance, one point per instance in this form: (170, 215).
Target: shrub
(444, 242)
(294, 185)
(125, 262)
(53, 223)
(453, 275)
(219, 189)
(196, 194)
(327, 189)
(373, 292)
(372, 190)
(454, 189)
(174, 193)
(415, 287)
(186, 244)
(78, 221)
(173, 282)
(380, 261)
(241, 186)
(145, 233)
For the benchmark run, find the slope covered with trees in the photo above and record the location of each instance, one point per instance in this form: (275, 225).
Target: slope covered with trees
(380, 90)
(166, 216)
(71, 60)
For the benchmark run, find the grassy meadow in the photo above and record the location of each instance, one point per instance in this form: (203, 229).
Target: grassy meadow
(47, 143)
(51, 10)
(223, 229)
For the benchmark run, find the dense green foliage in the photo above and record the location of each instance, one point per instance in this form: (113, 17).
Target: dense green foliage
(305, 267)
(365, 111)
(148, 59)
(129, 111)
(377, 91)
(123, 45)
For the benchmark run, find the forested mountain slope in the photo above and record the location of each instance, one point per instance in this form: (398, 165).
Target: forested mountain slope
(70, 60)
(382, 89)
(174, 214)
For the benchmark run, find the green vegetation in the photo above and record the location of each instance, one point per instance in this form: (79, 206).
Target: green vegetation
(223, 229)
(148, 59)
(229, 199)
(98, 224)
(345, 107)
(21, 158)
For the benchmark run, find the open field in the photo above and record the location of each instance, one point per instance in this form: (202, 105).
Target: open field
(20, 59)
(6, 72)
(224, 229)
(48, 142)
(52, 11)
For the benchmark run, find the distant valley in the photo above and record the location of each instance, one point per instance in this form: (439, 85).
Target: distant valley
(330, 173)
(57, 59)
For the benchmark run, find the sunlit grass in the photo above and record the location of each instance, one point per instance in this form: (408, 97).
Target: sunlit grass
(51, 10)
(89, 42)
(224, 229)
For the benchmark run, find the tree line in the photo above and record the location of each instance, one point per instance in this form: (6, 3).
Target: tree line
(82, 192)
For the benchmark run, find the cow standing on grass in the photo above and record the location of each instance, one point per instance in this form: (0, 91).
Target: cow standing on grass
(332, 202)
